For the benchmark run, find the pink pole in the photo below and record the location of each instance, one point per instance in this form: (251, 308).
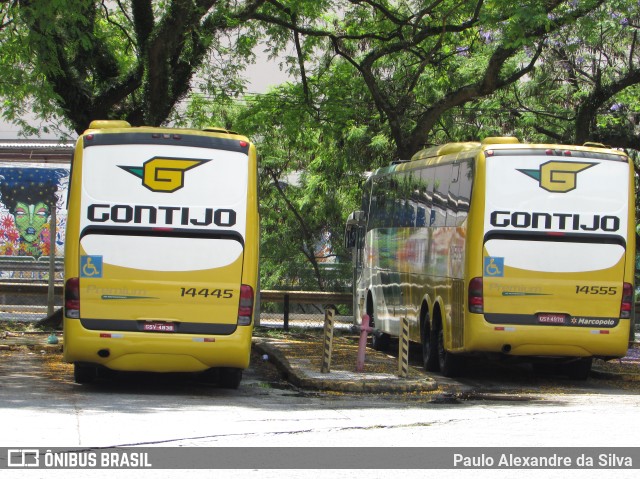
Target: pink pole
(362, 344)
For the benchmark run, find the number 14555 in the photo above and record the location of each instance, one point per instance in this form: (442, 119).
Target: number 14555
(609, 290)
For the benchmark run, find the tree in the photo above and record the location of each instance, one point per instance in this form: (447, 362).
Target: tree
(133, 60)
(419, 61)
(306, 185)
(586, 87)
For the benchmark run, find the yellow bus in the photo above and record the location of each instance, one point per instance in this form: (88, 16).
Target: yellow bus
(523, 250)
(161, 252)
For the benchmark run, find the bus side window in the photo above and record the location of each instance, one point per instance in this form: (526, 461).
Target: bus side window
(464, 193)
(366, 199)
(378, 200)
(452, 196)
(394, 207)
(407, 216)
(427, 179)
(441, 195)
(421, 217)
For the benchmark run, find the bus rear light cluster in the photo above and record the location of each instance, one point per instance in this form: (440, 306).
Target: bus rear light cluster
(551, 151)
(476, 298)
(626, 306)
(245, 308)
(72, 298)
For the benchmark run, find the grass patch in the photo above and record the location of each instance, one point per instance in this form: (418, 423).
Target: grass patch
(278, 333)
(22, 327)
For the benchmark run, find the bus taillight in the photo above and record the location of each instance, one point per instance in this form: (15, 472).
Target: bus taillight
(245, 309)
(476, 299)
(627, 301)
(72, 298)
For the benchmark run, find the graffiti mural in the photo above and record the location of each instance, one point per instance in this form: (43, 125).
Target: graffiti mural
(28, 194)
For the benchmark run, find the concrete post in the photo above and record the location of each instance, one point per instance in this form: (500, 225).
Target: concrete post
(329, 318)
(403, 351)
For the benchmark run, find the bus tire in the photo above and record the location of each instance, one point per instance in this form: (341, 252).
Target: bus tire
(578, 369)
(84, 374)
(450, 364)
(380, 341)
(229, 378)
(430, 350)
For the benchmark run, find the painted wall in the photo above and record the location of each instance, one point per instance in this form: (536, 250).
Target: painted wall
(28, 194)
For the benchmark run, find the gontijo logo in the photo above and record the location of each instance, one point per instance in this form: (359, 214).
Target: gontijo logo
(163, 175)
(558, 176)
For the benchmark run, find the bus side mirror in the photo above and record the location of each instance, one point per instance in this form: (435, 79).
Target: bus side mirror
(354, 223)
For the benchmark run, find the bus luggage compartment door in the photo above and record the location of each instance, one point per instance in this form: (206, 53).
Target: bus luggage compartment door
(160, 283)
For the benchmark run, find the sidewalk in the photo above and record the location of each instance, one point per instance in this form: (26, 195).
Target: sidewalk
(300, 360)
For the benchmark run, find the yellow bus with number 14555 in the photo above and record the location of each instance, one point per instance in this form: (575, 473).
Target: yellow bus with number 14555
(502, 248)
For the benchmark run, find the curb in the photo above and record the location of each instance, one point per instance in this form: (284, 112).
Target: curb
(634, 377)
(31, 340)
(304, 380)
(32, 346)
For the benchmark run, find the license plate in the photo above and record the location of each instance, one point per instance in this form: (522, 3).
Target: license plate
(159, 327)
(552, 318)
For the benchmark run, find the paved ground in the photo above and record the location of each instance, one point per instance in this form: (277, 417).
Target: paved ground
(302, 356)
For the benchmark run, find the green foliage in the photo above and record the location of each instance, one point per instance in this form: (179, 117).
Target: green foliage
(81, 60)
(301, 208)
(417, 62)
(585, 87)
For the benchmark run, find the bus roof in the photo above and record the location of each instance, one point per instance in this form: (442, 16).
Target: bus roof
(456, 151)
(122, 126)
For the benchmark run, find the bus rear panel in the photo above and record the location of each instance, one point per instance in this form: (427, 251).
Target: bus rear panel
(557, 253)
(162, 251)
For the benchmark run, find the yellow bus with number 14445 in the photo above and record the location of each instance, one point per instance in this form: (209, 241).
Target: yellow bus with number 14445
(161, 255)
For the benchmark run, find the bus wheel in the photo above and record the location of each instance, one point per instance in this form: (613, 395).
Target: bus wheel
(380, 341)
(430, 350)
(83, 373)
(450, 364)
(229, 378)
(578, 369)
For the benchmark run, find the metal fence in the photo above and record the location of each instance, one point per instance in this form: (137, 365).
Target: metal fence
(30, 288)
(303, 309)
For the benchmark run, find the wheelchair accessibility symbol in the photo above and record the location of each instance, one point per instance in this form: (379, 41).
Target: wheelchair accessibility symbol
(493, 266)
(91, 266)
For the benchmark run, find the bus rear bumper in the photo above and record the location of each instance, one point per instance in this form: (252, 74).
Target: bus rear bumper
(155, 352)
(551, 341)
